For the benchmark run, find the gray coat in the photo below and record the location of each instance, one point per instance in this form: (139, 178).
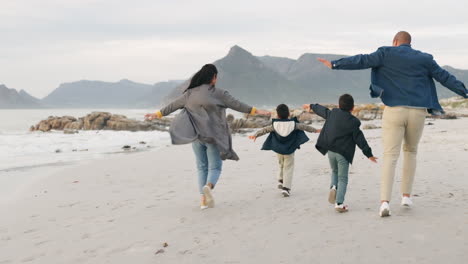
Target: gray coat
(204, 118)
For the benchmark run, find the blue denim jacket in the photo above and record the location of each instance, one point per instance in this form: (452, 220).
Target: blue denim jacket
(402, 76)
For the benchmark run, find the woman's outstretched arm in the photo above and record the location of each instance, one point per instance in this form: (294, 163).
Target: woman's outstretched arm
(170, 108)
(234, 104)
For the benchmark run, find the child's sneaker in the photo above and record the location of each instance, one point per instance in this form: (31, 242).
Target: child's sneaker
(332, 195)
(280, 184)
(341, 208)
(285, 192)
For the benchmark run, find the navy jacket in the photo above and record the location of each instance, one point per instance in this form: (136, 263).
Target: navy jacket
(285, 136)
(340, 133)
(402, 76)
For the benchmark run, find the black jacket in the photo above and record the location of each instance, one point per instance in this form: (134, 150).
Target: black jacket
(340, 133)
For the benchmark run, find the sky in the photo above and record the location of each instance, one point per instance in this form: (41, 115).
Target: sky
(48, 42)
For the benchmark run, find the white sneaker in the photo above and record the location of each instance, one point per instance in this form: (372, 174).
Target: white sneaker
(332, 195)
(406, 201)
(208, 196)
(203, 207)
(384, 210)
(341, 208)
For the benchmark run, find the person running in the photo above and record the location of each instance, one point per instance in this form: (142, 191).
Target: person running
(339, 137)
(203, 123)
(286, 135)
(404, 80)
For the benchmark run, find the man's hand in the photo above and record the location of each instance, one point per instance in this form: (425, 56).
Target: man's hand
(325, 62)
(253, 138)
(318, 130)
(306, 107)
(373, 159)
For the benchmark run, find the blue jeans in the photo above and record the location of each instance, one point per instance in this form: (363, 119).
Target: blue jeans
(339, 178)
(209, 163)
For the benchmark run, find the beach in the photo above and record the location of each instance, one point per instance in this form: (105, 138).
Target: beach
(124, 208)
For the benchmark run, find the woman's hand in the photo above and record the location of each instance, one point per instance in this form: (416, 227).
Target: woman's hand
(306, 107)
(253, 138)
(263, 112)
(373, 159)
(150, 117)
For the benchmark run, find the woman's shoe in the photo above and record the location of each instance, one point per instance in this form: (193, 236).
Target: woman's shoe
(203, 207)
(286, 192)
(208, 196)
(332, 195)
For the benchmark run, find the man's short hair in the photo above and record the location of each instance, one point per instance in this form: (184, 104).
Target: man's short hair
(346, 102)
(282, 111)
(403, 37)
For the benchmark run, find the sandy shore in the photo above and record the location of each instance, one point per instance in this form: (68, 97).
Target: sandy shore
(122, 209)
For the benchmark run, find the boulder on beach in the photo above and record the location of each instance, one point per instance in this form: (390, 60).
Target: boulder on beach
(100, 121)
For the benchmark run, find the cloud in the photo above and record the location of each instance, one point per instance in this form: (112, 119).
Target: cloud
(53, 41)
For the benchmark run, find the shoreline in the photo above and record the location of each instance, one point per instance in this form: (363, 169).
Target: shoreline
(124, 208)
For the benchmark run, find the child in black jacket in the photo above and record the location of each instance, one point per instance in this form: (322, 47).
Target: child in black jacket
(339, 137)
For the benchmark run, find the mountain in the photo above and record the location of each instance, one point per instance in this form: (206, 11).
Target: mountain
(269, 80)
(124, 93)
(10, 98)
(159, 91)
(249, 79)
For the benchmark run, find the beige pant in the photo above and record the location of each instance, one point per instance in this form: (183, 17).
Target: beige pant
(400, 124)
(286, 163)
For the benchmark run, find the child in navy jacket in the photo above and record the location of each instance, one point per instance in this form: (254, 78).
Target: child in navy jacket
(286, 136)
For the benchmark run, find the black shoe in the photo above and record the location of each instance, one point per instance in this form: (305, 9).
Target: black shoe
(280, 184)
(286, 192)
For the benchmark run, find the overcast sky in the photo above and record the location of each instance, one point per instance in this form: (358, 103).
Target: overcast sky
(47, 42)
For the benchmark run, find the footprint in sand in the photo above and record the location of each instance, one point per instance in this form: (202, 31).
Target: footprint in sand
(41, 242)
(30, 231)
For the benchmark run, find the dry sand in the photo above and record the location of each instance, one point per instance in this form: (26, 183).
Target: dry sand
(122, 209)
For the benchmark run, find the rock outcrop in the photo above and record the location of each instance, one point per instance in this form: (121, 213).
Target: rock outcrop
(100, 121)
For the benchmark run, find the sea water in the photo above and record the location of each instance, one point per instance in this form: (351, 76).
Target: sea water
(21, 149)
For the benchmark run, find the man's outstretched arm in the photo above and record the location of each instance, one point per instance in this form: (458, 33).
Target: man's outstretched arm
(358, 62)
(448, 80)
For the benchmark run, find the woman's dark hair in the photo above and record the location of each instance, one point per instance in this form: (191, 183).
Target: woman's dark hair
(204, 76)
(346, 102)
(282, 111)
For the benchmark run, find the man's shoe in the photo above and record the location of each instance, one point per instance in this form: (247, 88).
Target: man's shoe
(384, 210)
(285, 192)
(406, 201)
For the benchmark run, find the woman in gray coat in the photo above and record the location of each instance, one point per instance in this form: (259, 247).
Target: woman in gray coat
(203, 123)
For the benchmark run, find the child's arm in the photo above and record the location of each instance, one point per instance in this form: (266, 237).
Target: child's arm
(318, 109)
(361, 141)
(261, 132)
(307, 128)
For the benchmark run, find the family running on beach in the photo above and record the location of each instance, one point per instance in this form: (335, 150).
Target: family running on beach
(401, 76)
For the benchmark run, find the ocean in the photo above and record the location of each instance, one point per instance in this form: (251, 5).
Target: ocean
(21, 149)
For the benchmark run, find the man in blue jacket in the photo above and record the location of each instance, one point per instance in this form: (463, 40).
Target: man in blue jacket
(404, 80)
